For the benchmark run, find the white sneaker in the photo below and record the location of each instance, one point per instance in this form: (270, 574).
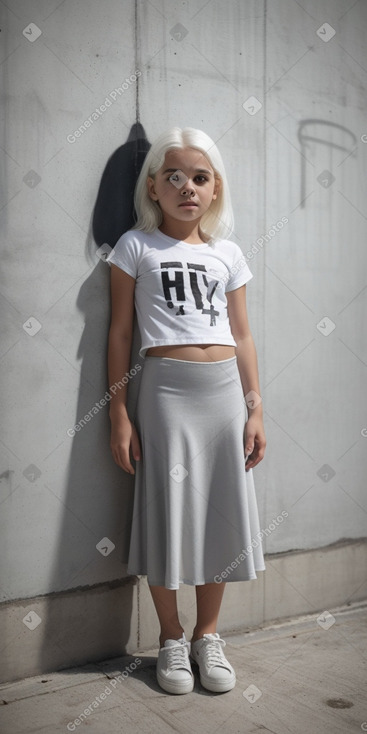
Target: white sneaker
(174, 672)
(216, 673)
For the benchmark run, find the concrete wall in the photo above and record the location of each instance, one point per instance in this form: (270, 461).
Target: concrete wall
(281, 88)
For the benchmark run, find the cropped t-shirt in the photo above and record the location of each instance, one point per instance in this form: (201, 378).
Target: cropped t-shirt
(180, 288)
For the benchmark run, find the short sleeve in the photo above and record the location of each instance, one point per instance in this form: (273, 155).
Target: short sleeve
(125, 255)
(239, 272)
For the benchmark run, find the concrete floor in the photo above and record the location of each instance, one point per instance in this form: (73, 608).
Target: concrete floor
(304, 676)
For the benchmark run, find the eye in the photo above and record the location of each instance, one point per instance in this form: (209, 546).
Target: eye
(175, 177)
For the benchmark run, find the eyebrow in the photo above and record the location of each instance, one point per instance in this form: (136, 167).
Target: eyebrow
(197, 170)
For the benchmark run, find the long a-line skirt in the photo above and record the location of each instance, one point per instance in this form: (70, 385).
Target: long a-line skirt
(195, 516)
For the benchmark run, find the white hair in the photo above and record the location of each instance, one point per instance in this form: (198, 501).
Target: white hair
(217, 222)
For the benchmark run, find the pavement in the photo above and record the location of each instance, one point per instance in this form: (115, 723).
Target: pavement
(306, 675)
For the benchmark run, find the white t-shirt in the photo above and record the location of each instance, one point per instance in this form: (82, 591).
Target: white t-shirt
(180, 288)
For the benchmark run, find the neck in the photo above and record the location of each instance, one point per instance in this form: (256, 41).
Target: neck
(185, 231)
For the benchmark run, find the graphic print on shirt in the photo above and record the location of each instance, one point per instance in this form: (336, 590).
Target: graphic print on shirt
(193, 275)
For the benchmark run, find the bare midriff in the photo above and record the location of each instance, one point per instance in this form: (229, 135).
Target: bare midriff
(194, 352)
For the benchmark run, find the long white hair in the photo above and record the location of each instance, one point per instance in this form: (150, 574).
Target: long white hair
(217, 222)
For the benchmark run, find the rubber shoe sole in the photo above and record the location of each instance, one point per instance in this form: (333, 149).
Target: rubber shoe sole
(217, 686)
(176, 687)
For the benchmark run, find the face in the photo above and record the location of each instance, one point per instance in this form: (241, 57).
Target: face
(184, 186)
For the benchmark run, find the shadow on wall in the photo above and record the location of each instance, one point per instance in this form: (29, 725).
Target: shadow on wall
(114, 211)
(98, 497)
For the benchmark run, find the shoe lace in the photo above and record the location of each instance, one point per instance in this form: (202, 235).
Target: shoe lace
(214, 652)
(177, 656)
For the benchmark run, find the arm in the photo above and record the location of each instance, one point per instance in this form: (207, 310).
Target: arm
(255, 441)
(123, 432)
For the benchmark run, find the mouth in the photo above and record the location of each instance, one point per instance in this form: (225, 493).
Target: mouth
(188, 204)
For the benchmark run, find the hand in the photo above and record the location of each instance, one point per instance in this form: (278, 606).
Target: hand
(123, 436)
(255, 441)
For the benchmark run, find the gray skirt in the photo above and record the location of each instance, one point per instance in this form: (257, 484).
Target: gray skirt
(195, 517)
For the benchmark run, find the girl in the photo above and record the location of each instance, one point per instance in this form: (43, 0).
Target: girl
(195, 511)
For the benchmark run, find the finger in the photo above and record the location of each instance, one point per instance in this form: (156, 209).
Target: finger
(135, 447)
(128, 465)
(255, 459)
(249, 443)
(122, 459)
(250, 464)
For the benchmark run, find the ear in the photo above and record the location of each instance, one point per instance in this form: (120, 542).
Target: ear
(151, 189)
(217, 187)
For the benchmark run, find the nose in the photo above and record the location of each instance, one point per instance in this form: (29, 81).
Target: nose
(188, 187)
